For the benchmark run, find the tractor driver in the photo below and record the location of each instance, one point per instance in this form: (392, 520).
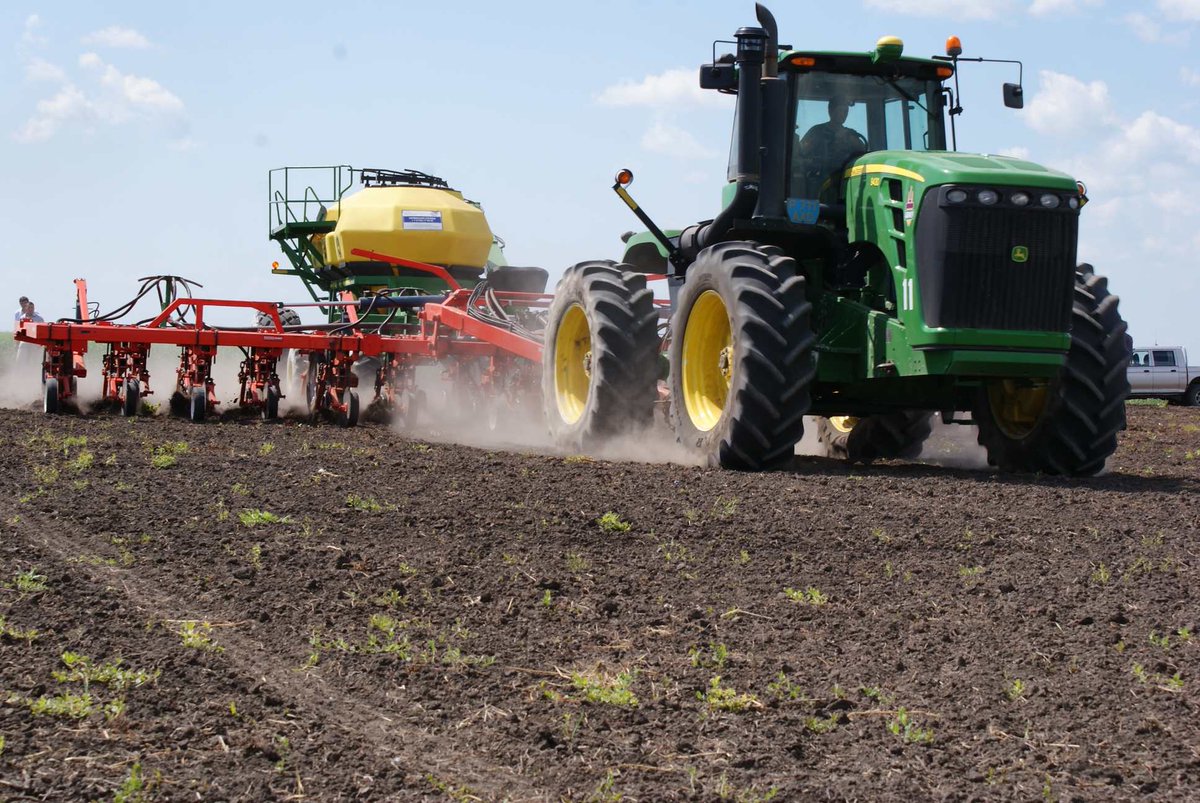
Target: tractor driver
(826, 147)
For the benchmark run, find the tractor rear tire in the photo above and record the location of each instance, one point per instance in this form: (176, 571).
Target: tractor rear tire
(1069, 424)
(599, 363)
(197, 404)
(741, 357)
(50, 396)
(131, 404)
(889, 436)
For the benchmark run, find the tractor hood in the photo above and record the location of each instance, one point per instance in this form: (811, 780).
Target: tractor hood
(947, 167)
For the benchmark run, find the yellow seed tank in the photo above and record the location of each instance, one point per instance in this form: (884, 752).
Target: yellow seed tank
(425, 224)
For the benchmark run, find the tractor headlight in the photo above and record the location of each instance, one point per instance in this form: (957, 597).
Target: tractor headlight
(1050, 201)
(956, 196)
(1020, 199)
(1073, 202)
(988, 197)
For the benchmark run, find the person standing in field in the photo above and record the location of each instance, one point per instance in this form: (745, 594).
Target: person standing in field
(26, 352)
(27, 311)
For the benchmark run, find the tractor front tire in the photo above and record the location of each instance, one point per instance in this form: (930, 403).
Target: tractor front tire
(741, 357)
(1069, 424)
(599, 362)
(889, 436)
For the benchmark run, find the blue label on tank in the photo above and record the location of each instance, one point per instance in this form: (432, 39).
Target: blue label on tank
(803, 210)
(422, 220)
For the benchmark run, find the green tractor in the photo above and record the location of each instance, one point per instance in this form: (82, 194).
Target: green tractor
(861, 270)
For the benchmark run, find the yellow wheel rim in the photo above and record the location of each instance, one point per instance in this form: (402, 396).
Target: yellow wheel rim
(572, 364)
(843, 423)
(1016, 406)
(707, 361)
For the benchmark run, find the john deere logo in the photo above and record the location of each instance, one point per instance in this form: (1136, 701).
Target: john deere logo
(1020, 253)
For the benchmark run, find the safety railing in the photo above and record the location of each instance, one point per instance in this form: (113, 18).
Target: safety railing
(298, 194)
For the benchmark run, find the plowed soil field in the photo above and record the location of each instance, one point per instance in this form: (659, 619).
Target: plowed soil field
(249, 611)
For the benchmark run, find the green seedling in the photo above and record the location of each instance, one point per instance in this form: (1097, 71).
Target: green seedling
(82, 669)
(7, 631)
(67, 704)
(363, 504)
(713, 658)
(576, 563)
(198, 636)
(906, 728)
(266, 449)
(818, 725)
(133, 789)
(783, 689)
(606, 689)
(30, 582)
(612, 523)
(82, 462)
(1101, 575)
(808, 596)
(167, 454)
(1016, 689)
(45, 475)
(724, 698)
(256, 518)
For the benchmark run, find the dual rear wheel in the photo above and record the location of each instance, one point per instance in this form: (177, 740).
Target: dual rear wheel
(741, 357)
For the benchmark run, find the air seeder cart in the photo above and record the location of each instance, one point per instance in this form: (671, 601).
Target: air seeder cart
(406, 273)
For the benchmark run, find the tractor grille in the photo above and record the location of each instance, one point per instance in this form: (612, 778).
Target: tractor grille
(967, 272)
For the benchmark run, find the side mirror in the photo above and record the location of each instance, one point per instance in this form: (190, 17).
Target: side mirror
(1014, 96)
(722, 77)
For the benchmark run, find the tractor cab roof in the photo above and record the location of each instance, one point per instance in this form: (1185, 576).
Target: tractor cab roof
(802, 61)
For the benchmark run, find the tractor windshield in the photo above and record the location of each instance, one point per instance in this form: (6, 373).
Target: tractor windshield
(841, 116)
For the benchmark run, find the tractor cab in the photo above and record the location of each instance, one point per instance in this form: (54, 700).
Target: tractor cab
(846, 105)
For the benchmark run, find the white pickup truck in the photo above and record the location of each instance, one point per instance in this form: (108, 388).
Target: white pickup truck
(1163, 372)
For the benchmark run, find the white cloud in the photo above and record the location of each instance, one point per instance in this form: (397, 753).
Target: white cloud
(67, 105)
(1149, 30)
(1139, 166)
(1065, 105)
(672, 141)
(1184, 10)
(1016, 152)
(134, 91)
(41, 70)
(1189, 76)
(112, 98)
(675, 88)
(30, 35)
(1041, 8)
(116, 36)
(949, 9)
(1151, 138)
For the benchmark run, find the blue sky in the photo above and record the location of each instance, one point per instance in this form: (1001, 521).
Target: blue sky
(139, 135)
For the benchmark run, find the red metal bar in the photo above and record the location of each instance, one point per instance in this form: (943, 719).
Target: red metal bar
(436, 270)
(460, 321)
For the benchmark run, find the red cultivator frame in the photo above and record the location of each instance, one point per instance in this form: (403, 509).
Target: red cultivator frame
(467, 331)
